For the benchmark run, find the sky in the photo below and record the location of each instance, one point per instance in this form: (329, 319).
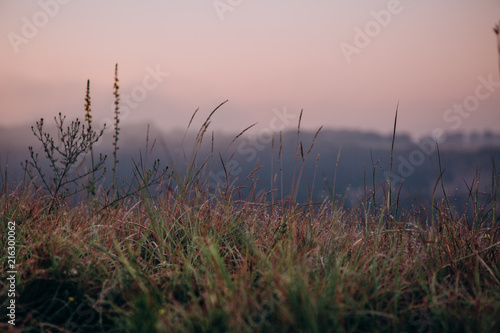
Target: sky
(346, 63)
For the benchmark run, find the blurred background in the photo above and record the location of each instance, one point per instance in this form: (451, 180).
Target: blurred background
(259, 55)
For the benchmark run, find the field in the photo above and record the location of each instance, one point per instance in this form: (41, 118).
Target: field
(195, 260)
(169, 253)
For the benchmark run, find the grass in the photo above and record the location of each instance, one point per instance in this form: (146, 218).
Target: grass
(189, 258)
(192, 261)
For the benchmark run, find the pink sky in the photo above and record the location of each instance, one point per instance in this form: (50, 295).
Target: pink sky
(260, 55)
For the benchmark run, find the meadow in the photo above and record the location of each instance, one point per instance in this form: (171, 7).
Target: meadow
(166, 252)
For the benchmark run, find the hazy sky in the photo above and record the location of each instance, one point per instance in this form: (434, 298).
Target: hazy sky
(345, 62)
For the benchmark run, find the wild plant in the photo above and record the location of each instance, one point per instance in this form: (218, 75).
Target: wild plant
(66, 157)
(88, 119)
(62, 179)
(116, 93)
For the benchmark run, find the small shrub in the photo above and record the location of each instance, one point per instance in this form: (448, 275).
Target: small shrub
(63, 177)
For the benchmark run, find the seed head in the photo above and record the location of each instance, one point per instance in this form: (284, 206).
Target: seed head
(88, 115)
